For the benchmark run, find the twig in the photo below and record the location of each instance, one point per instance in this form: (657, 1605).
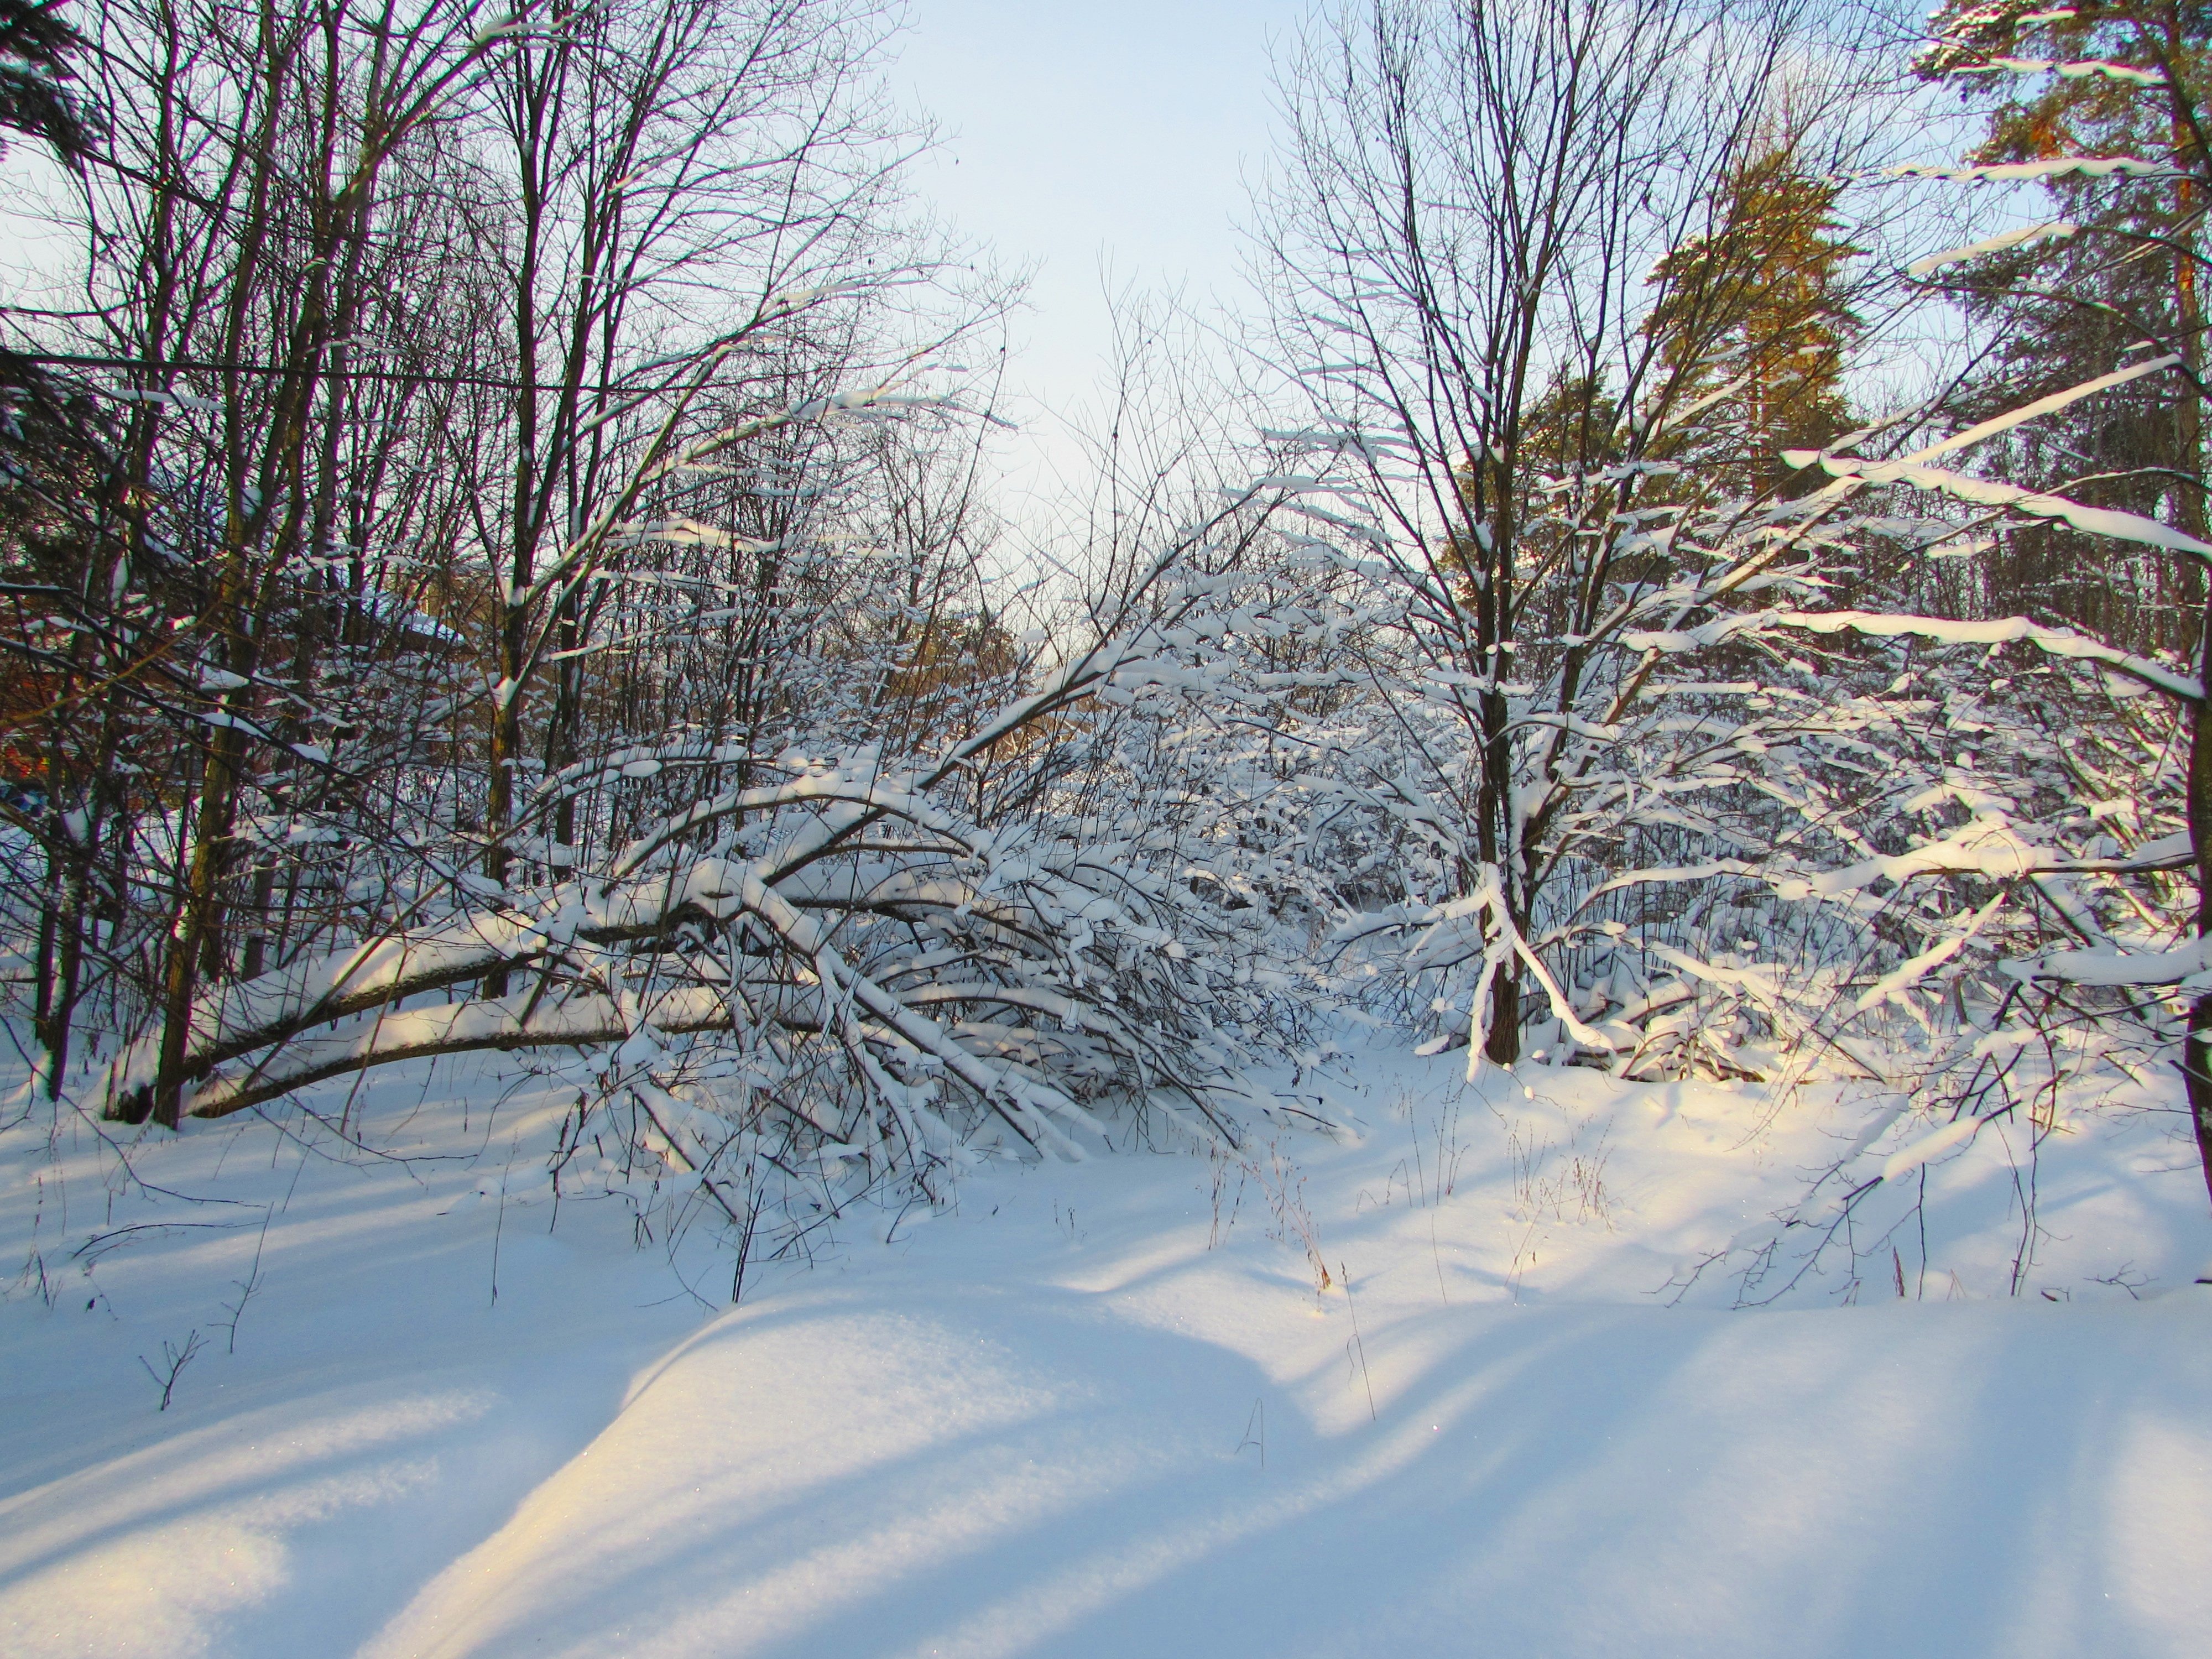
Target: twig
(744, 1249)
(1259, 1416)
(499, 1227)
(1359, 1343)
(175, 1360)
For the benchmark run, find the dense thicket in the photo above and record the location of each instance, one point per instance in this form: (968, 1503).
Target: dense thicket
(498, 548)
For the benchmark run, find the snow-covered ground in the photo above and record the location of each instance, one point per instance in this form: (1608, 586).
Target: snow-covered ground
(1110, 1409)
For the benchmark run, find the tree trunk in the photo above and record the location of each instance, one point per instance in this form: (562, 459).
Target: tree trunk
(2196, 1054)
(1504, 1046)
(195, 937)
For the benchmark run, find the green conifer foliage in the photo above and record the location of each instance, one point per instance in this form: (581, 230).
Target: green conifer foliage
(1755, 316)
(2124, 274)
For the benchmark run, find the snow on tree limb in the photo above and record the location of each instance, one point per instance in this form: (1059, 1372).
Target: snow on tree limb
(525, 1019)
(2035, 504)
(836, 917)
(2182, 965)
(2068, 70)
(2086, 166)
(1850, 472)
(2028, 236)
(1913, 970)
(1927, 1148)
(2003, 630)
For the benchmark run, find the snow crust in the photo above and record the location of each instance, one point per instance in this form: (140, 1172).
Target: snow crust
(1106, 1408)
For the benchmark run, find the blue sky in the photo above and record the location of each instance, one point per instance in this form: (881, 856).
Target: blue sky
(1073, 134)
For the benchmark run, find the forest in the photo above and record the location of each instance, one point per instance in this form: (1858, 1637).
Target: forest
(1684, 591)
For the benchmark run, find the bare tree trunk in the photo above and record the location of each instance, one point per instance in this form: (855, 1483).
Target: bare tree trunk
(2197, 1054)
(2190, 499)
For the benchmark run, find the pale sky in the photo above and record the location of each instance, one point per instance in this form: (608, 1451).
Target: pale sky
(1121, 131)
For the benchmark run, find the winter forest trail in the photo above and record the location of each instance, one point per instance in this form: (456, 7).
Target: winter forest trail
(1104, 1409)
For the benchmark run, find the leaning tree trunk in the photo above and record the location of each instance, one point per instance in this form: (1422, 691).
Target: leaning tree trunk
(2196, 1054)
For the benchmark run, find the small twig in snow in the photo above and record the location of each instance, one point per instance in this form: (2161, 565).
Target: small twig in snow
(174, 1361)
(1345, 1273)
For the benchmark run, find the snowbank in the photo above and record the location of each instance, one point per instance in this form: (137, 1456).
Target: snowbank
(1109, 1410)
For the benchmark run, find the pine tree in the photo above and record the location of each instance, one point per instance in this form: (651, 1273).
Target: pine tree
(2123, 87)
(1756, 316)
(36, 47)
(36, 44)
(2123, 270)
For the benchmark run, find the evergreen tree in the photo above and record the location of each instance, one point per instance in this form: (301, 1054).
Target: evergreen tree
(2120, 269)
(2105, 104)
(1755, 316)
(35, 46)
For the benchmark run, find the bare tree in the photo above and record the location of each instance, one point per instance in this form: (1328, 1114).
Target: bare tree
(684, 198)
(233, 225)
(1466, 240)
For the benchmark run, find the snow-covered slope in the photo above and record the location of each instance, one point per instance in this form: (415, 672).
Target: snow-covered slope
(1110, 1409)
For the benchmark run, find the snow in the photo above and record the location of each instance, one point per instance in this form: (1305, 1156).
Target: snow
(2058, 230)
(1944, 630)
(1988, 492)
(2089, 167)
(1036, 1479)
(2076, 70)
(2049, 403)
(1104, 1408)
(1906, 1159)
(2110, 967)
